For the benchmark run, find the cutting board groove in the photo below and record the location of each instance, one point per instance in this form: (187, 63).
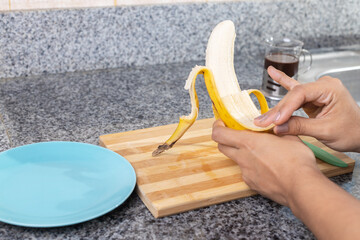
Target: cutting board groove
(193, 173)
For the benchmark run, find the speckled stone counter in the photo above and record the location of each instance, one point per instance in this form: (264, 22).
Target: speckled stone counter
(83, 106)
(57, 41)
(4, 139)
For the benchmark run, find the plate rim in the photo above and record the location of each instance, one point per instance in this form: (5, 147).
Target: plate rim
(68, 223)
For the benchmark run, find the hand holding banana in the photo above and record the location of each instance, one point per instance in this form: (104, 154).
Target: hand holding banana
(292, 177)
(334, 114)
(236, 109)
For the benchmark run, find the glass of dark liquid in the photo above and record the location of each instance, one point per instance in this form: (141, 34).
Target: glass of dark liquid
(283, 54)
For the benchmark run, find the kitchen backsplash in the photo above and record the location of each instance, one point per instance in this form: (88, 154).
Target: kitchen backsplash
(34, 42)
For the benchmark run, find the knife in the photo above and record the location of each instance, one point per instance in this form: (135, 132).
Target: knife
(325, 156)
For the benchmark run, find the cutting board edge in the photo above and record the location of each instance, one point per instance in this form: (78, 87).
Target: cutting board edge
(101, 142)
(200, 203)
(147, 202)
(339, 171)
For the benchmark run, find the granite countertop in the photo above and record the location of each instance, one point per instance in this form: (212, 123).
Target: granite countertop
(84, 105)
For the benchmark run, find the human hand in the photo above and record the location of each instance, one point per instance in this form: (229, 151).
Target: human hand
(334, 114)
(271, 165)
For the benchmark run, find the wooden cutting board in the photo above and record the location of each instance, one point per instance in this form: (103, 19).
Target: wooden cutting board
(193, 173)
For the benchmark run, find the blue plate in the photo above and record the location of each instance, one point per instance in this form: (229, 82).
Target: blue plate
(54, 184)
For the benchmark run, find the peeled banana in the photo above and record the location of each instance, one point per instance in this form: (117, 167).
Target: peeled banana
(231, 104)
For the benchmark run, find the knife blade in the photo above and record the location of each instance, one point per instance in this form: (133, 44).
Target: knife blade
(325, 156)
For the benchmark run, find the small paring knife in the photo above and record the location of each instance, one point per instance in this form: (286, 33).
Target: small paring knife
(325, 156)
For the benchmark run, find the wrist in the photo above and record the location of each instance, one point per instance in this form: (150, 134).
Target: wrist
(302, 187)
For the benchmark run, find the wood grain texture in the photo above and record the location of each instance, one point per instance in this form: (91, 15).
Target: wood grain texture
(193, 173)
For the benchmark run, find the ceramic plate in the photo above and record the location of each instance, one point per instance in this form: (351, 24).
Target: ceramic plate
(54, 184)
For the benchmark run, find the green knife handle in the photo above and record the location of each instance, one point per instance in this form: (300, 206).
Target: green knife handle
(325, 156)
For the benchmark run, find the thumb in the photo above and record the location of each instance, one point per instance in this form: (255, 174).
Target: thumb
(299, 126)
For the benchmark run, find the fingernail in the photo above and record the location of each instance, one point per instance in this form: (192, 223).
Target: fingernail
(284, 128)
(262, 117)
(277, 116)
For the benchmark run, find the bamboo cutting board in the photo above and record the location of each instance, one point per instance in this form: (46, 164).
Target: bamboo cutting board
(193, 173)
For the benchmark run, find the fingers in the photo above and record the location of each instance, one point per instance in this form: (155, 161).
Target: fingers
(293, 100)
(264, 120)
(284, 80)
(301, 94)
(218, 123)
(297, 96)
(230, 137)
(223, 135)
(299, 126)
(231, 152)
(230, 142)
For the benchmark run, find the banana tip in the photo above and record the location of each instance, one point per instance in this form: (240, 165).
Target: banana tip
(160, 149)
